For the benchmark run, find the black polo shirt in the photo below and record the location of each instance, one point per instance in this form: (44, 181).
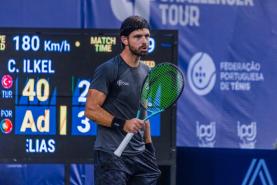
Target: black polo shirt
(122, 85)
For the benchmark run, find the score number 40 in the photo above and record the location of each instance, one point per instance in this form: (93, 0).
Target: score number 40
(41, 85)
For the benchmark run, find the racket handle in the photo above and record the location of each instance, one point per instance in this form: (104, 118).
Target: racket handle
(123, 144)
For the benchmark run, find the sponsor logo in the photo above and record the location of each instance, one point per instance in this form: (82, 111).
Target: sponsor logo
(206, 134)
(247, 134)
(201, 73)
(122, 83)
(257, 170)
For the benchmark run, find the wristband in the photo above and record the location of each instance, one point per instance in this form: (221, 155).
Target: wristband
(118, 123)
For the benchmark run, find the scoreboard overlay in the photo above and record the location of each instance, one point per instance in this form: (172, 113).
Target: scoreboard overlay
(45, 76)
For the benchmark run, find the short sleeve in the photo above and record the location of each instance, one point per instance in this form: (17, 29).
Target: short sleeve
(103, 77)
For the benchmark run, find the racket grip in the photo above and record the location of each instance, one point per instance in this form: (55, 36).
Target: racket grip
(123, 144)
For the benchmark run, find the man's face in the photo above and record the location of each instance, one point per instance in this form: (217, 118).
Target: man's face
(138, 41)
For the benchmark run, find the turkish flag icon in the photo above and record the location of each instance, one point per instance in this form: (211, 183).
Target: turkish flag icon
(7, 81)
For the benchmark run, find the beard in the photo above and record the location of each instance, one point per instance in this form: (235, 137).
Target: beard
(138, 52)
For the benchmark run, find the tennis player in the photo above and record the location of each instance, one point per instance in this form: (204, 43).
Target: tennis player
(113, 102)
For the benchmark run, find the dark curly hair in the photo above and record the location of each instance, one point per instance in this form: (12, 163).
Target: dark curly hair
(133, 23)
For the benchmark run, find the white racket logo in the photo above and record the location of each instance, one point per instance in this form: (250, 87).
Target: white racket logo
(150, 104)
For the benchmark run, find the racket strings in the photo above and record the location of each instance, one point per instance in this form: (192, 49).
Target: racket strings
(162, 88)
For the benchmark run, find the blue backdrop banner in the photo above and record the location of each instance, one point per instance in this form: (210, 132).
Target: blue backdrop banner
(227, 49)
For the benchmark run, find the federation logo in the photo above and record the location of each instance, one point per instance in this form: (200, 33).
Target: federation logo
(7, 81)
(137, 7)
(201, 73)
(6, 126)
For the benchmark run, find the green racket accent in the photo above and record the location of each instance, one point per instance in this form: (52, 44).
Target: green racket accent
(162, 87)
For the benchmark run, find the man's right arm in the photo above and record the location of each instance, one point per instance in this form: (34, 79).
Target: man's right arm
(95, 112)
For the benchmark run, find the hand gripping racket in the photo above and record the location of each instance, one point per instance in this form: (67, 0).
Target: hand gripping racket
(161, 89)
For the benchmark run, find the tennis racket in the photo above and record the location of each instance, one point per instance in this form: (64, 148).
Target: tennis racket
(161, 89)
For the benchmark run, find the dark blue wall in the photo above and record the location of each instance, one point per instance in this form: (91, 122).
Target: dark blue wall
(226, 166)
